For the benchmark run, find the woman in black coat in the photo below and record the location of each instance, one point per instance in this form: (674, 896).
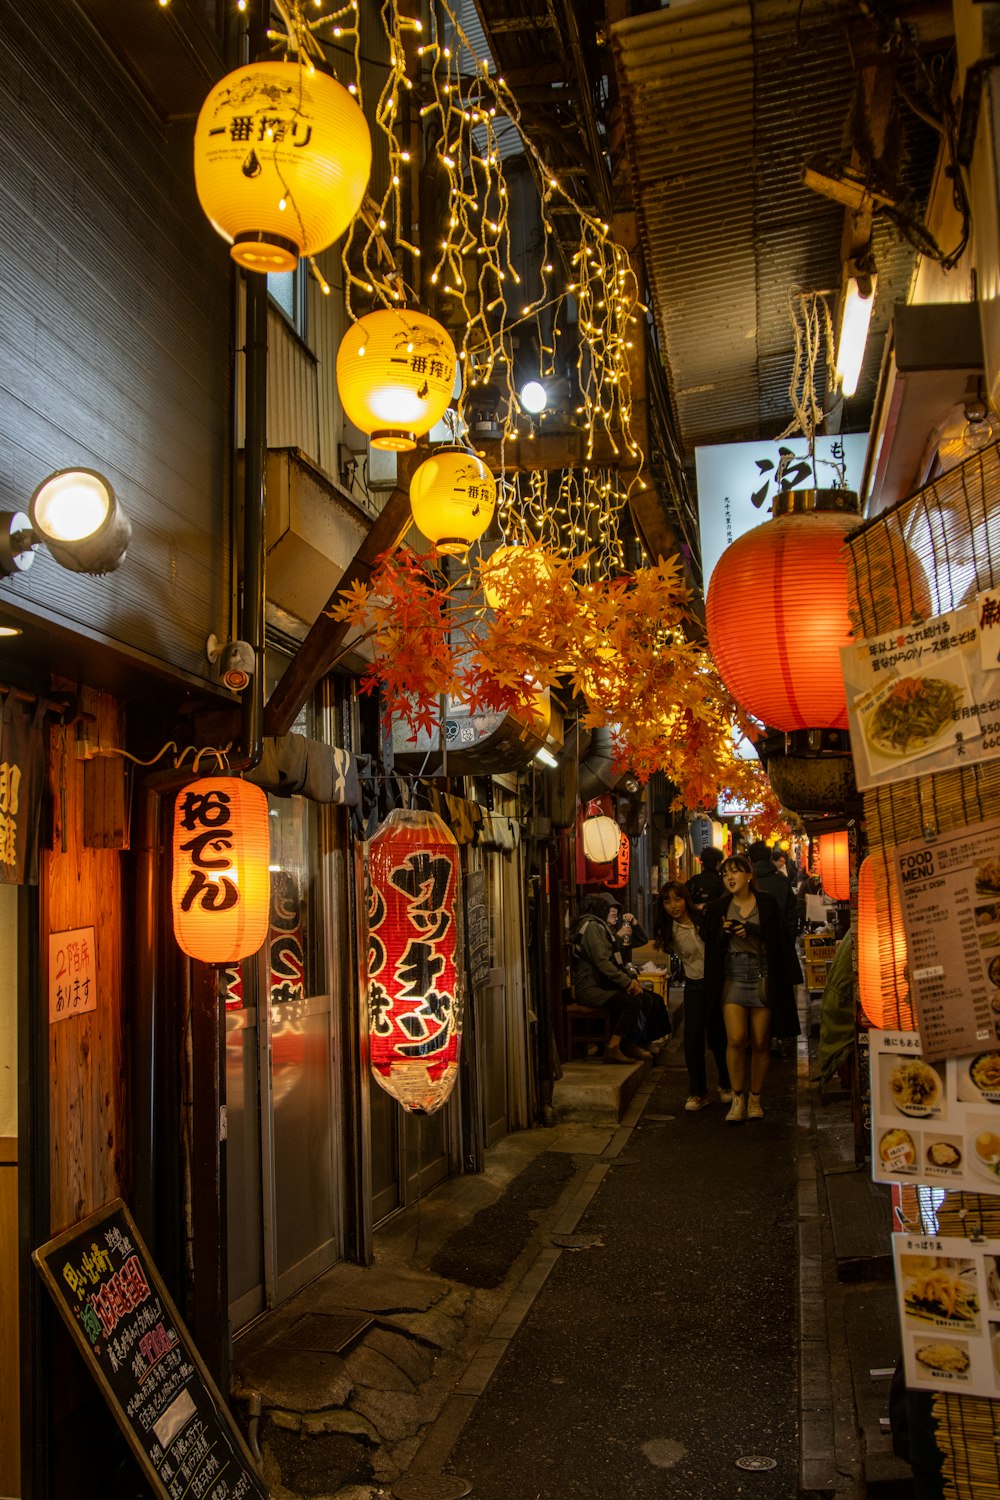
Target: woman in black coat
(751, 970)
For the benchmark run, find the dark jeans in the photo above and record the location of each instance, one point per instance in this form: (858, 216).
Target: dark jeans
(697, 1028)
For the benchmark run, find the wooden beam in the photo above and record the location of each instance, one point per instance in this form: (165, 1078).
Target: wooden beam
(312, 660)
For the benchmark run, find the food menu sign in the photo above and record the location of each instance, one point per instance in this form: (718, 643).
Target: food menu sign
(924, 698)
(949, 1313)
(160, 1392)
(949, 891)
(934, 1122)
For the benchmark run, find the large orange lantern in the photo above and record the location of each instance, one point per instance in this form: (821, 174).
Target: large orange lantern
(415, 958)
(776, 612)
(883, 973)
(282, 155)
(453, 496)
(221, 886)
(395, 375)
(835, 865)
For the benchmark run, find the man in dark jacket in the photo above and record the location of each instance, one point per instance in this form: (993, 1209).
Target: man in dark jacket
(767, 878)
(708, 885)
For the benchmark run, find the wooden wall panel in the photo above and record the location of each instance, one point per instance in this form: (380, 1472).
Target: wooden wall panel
(81, 887)
(115, 344)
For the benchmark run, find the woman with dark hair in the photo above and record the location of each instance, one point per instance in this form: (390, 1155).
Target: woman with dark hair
(751, 969)
(680, 931)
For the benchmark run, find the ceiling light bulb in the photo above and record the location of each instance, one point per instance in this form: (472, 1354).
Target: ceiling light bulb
(858, 304)
(533, 396)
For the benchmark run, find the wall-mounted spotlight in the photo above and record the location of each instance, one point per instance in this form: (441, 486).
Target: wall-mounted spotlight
(534, 397)
(235, 660)
(76, 514)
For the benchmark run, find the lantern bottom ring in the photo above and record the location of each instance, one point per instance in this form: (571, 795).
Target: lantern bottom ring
(259, 250)
(394, 440)
(453, 546)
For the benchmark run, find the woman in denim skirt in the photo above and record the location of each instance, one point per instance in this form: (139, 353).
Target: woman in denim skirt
(751, 970)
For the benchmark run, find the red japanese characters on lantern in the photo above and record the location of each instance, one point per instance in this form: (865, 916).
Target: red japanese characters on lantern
(619, 875)
(415, 959)
(221, 883)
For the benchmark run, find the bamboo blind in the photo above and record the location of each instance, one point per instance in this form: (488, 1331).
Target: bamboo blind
(929, 554)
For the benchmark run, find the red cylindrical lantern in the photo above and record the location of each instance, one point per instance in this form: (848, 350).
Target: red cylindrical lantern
(835, 865)
(776, 612)
(619, 876)
(415, 957)
(221, 887)
(883, 975)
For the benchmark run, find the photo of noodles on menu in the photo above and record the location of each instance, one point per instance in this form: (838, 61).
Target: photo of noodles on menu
(934, 1122)
(949, 1312)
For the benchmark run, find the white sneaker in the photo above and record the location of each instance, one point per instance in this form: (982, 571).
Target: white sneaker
(695, 1101)
(754, 1111)
(737, 1110)
(725, 1096)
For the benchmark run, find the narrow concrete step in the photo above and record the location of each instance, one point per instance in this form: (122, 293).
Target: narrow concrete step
(595, 1092)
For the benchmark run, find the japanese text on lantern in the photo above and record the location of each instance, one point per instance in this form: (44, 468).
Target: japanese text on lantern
(412, 959)
(10, 783)
(208, 815)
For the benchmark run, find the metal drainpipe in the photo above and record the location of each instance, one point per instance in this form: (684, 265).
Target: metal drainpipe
(255, 465)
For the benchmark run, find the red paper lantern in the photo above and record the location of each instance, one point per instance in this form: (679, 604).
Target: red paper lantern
(415, 956)
(835, 865)
(777, 616)
(221, 887)
(883, 975)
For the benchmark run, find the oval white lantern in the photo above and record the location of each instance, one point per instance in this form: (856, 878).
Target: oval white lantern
(282, 156)
(601, 839)
(395, 375)
(453, 496)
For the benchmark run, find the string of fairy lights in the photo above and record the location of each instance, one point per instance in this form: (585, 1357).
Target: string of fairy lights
(583, 317)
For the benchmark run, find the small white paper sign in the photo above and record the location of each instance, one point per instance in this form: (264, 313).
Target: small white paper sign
(72, 973)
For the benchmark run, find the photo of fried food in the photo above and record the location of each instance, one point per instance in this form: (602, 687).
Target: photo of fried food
(938, 1291)
(994, 971)
(914, 1087)
(988, 877)
(943, 1154)
(948, 1359)
(987, 1152)
(896, 1149)
(984, 1071)
(914, 713)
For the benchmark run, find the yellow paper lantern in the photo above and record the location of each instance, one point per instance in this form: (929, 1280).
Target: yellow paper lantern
(282, 156)
(221, 885)
(453, 496)
(395, 375)
(509, 569)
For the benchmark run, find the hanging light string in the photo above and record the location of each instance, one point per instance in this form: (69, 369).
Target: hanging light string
(812, 326)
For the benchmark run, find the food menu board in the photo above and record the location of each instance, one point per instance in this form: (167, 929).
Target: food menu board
(949, 891)
(922, 698)
(160, 1392)
(949, 1313)
(934, 1122)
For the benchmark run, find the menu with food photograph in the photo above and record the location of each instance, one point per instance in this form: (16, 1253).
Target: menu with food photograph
(949, 889)
(949, 1313)
(934, 1122)
(923, 698)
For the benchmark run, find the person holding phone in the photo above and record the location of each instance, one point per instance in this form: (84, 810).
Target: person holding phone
(751, 970)
(679, 931)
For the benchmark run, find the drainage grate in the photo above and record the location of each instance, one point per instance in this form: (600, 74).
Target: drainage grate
(576, 1241)
(756, 1461)
(326, 1333)
(431, 1487)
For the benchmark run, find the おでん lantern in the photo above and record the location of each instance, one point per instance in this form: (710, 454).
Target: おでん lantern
(453, 496)
(618, 878)
(834, 865)
(415, 957)
(282, 155)
(776, 612)
(221, 887)
(883, 975)
(395, 375)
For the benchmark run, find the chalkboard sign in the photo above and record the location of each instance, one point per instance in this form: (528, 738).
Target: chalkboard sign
(477, 928)
(115, 1305)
